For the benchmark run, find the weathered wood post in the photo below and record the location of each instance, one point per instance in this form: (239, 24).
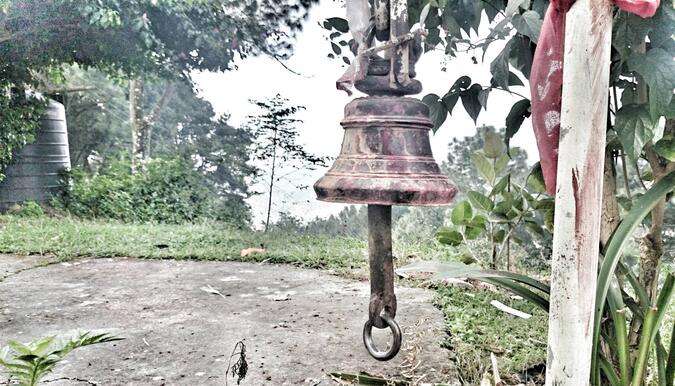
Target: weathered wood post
(583, 123)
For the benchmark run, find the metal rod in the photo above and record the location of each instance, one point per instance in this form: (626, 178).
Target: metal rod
(382, 308)
(382, 297)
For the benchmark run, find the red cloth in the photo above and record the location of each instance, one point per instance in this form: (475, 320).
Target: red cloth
(642, 8)
(546, 79)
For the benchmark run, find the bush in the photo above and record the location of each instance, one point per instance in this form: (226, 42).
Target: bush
(27, 209)
(167, 191)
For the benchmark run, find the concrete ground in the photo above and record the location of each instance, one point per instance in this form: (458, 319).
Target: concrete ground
(297, 325)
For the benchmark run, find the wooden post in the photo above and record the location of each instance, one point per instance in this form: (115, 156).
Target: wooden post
(576, 241)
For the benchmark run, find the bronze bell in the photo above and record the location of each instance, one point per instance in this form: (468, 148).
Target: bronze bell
(386, 153)
(386, 156)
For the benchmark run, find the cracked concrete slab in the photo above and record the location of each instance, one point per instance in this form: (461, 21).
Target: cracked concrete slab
(297, 324)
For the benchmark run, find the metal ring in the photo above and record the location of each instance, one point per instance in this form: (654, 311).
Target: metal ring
(370, 346)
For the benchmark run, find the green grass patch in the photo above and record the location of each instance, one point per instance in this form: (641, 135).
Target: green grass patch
(67, 237)
(476, 328)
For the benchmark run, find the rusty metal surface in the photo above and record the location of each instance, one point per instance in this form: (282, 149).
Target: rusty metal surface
(382, 297)
(382, 306)
(386, 157)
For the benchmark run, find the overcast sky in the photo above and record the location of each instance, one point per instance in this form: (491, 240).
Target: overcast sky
(261, 77)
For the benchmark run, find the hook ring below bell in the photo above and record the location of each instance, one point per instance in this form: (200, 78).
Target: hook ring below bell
(370, 345)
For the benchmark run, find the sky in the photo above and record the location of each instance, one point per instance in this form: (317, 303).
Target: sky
(314, 88)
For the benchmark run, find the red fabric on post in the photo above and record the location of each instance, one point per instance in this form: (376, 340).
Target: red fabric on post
(546, 88)
(547, 75)
(642, 8)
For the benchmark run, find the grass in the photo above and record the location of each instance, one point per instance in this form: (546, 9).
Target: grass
(475, 327)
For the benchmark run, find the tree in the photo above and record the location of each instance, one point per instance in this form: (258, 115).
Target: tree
(188, 127)
(462, 171)
(138, 40)
(276, 134)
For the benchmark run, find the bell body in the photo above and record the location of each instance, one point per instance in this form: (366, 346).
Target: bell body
(386, 156)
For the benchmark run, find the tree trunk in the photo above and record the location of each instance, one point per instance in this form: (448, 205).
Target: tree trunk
(579, 192)
(651, 244)
(274, 162)
(151, 120)
(610, 205)
(141, 126)
(136, 122)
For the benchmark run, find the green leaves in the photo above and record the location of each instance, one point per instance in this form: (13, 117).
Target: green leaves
(528, 24)
(29, 363)
(461, 213)
(437, 110)
(665, 147)
(449, 236)
(484, 166)
(474, 98)
(658, 69)
(493, 145)
(536, 179)
(635, 128)
(614, 249)
(629, 31)
(500, 67)
(471, 100)
(337, 23)
(519, 111)
(480, 201)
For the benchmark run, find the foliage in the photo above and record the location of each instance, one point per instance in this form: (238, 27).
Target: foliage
(98, 127)
(276, 134)
(476, 329)
(613, 356)
(29, 363)
(170, 38)
(19, 119)
(125, 38)
(97, 115)
(27, 209)
(168, 191)
(502, 213)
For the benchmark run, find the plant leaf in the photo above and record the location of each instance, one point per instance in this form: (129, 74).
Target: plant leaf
(483, 166)
(665, 147)
(528, 24)
(658, 69)
(449, 236)
(499, 67)
(480, 201)
(471, 101)
(461, 213)
(519, 111)
(493, 146)
(635, 128)
(616, 244)
(437, 111)
(338, 23)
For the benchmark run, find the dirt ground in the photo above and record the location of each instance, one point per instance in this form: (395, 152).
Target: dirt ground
(297, 325)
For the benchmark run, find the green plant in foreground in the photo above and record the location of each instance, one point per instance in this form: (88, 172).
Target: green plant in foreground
(614, 360)
(500, 211)
(31, 362)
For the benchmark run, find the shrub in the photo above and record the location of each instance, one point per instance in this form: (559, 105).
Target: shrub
(27, 209)
(166, 191)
